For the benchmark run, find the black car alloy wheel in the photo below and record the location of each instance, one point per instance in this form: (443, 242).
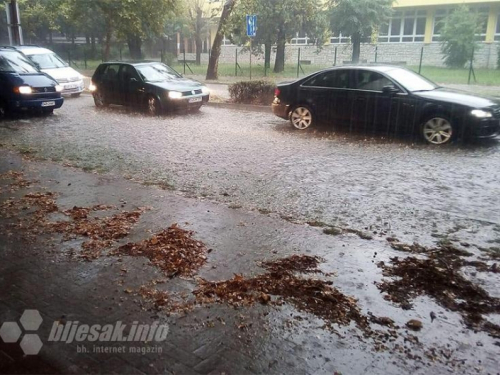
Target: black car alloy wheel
(153, 106)
(100, 99)
(437, 130)
(301, 117)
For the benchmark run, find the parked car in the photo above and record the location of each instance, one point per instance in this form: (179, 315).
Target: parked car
(389, 99)
(23, 87)
(49, 62)
(152, 86)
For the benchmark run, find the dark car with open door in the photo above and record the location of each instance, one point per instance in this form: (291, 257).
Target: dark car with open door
(152, 86)
(386, 99)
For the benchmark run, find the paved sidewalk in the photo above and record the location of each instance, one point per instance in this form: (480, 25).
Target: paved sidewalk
(47, 275)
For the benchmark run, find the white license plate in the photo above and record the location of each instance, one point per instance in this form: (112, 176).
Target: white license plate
(48, 104)
(70, 87)
(195, 100)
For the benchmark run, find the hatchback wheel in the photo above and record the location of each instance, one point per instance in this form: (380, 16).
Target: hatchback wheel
(301, 117)
(3, 111)
(437, 130)
(100, 100)
(153, 106)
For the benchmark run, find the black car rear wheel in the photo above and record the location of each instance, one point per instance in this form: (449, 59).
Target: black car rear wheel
(438, 130)
(153, 106)
(100, 100)
(3, 110)
(301, 117)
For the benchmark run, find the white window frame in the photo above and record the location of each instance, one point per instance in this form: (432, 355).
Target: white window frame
(497, 28)
(340, 39)
(412, 14)
(226, 42)
(298, 40)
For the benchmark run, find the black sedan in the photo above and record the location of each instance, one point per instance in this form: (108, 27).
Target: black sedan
(386, 99)
(149, 85)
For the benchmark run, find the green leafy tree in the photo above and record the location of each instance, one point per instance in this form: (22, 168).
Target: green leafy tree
(39, 18)
(278, 21)
(198, 21)
(458, 36)
(357, 19)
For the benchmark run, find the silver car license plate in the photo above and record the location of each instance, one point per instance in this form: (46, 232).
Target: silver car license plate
(48, 104)
(195, 100)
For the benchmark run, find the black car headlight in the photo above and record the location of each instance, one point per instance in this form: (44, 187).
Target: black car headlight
(481, 113)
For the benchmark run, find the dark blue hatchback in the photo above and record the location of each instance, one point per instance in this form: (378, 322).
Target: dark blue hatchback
(23, 87)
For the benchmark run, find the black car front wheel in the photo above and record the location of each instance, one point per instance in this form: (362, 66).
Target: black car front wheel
(301, 117)
(3, 110)
(437, 130)
(153, 106)
(100, 100)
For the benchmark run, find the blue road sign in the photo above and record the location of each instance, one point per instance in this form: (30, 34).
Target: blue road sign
(251, 25)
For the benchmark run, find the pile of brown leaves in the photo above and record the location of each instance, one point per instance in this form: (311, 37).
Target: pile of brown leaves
(102, 232)
(314, 296)
(173, 250)
(438, 276)
(19, 182)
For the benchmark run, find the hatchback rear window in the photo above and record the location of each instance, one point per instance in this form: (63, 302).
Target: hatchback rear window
(11, 61)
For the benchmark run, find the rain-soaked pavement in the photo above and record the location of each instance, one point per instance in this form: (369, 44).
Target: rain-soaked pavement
(257, 184)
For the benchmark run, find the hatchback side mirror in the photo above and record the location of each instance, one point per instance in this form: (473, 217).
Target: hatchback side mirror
(390, 89)
(133, 80)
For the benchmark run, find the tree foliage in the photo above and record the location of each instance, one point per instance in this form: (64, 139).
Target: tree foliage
(357, 19)
(458, 36)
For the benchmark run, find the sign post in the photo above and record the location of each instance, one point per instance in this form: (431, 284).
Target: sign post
(251, 32)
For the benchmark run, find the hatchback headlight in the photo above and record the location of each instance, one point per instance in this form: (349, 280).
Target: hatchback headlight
(174, 94)
(59, 88)
(205, 90)
(24, 90)
(92, 87)
(479, 113)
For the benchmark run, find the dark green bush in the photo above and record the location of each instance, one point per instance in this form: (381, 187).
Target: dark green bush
(252, 92)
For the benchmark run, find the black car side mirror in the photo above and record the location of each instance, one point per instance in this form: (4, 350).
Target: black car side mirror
(390, 89)
(133, 80)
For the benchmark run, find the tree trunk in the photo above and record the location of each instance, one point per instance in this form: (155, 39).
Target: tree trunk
(279, 64)
(356, 47)
(216, 46)
(267, 54)
(134, 46)
(107, 46)
(197, 37)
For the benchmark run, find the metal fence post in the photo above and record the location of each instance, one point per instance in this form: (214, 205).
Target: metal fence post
(85, 58)
(236, 64)
(421, 57)
(298, 63)
(69, 57)
(184, 54)
(335, 57)
(121, 58)
(250, 59)
(471, 68)
(376, 53)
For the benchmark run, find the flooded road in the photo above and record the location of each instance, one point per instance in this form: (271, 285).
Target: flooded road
(257, 161)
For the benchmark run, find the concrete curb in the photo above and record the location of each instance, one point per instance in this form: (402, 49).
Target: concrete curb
(242, 107)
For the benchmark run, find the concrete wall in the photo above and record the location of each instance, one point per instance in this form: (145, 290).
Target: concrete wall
(409, 53)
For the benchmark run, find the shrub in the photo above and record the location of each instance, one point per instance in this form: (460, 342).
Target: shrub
(458, 35)
(252, 92)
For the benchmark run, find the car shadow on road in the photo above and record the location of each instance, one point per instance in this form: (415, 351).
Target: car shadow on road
(137, 112)
(327, 132)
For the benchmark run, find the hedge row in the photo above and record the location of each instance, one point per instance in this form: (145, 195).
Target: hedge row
(252, 92)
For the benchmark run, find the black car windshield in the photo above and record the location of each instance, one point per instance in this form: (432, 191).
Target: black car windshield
(411, 81)
(157, 72)
(12, 61)
(48, 61)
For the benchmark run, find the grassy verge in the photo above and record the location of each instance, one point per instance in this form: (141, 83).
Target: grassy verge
(227, 72)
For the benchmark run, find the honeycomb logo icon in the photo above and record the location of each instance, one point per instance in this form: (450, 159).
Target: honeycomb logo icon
(10, 332)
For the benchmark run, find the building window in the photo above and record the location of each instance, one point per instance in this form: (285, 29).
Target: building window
(337, 39)
(440, 19)
(300, 38)
(497, 32)
(226, 42)
(407, 26)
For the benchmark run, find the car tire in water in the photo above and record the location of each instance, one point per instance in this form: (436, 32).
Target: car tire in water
(3, 110)
(438, 130)
(47, 112)
(100, 100)
(153, 106)
(301, 117)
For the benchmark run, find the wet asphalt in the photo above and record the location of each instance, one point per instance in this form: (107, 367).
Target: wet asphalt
(223, 161)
